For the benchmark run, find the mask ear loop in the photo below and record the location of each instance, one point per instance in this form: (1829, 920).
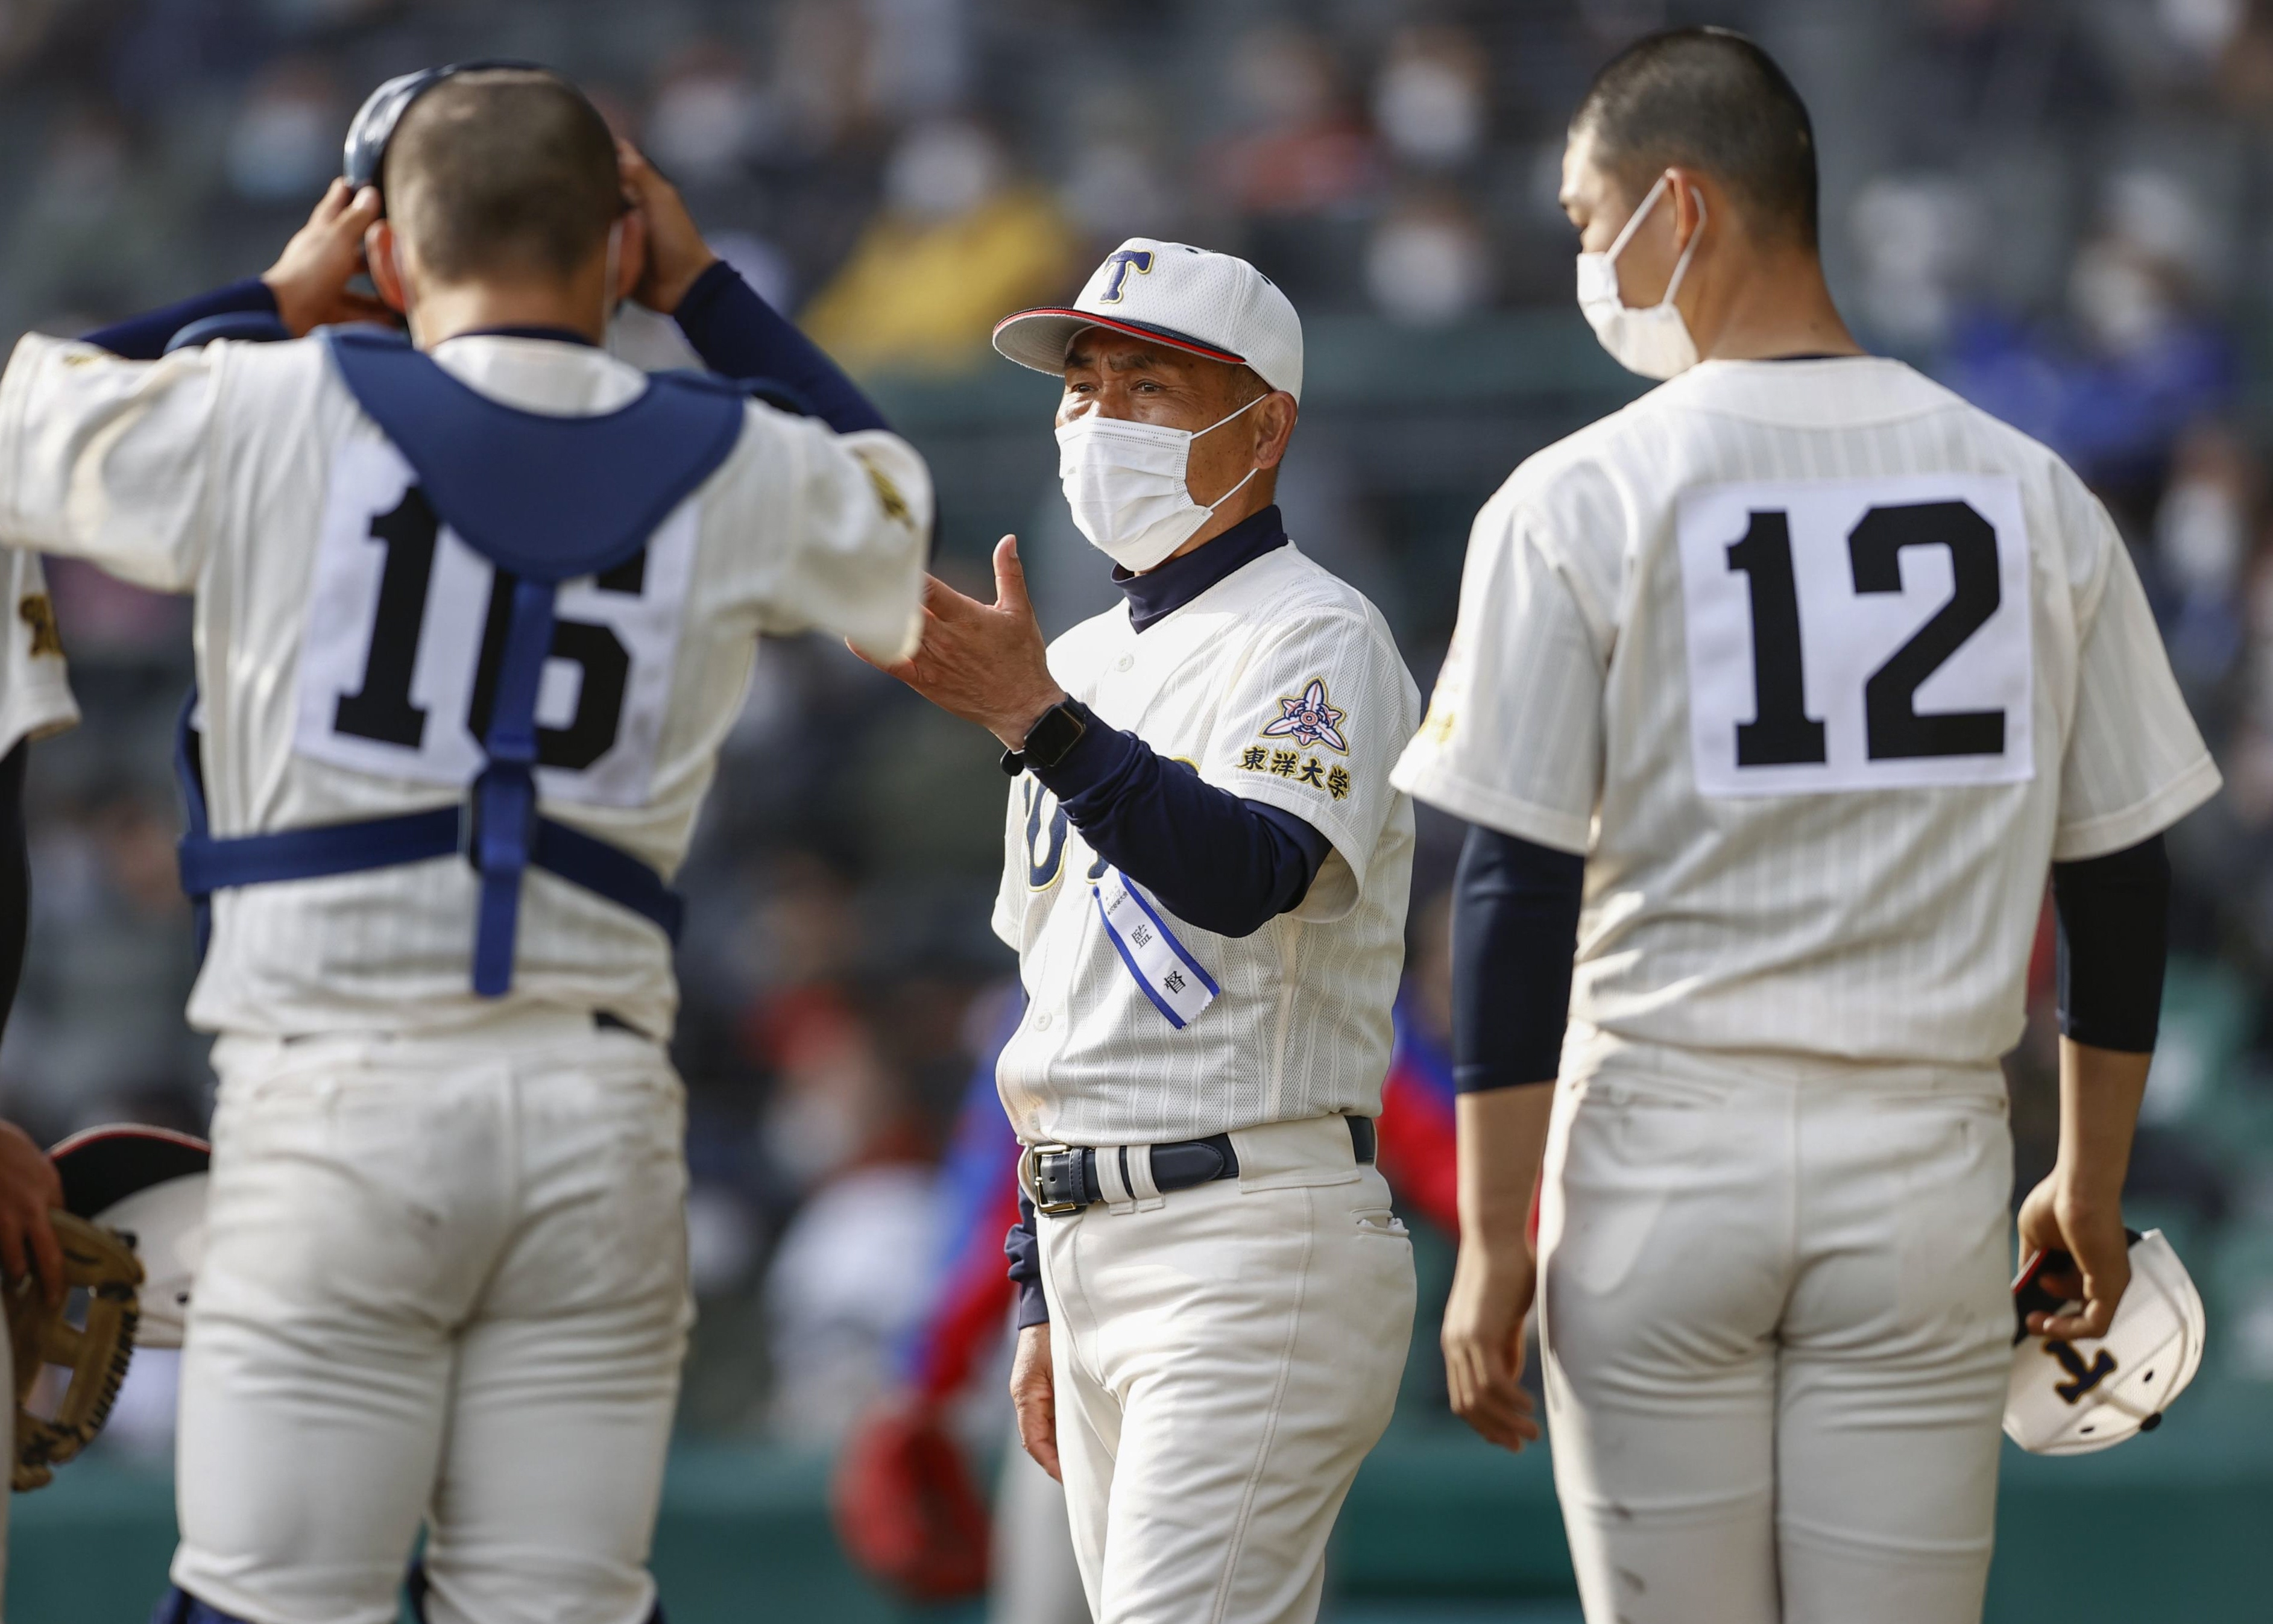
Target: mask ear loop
(1251, 472)
(1681, 265)
(1633, 222)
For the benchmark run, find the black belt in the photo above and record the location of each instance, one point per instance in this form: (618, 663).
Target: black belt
(1065, 1176)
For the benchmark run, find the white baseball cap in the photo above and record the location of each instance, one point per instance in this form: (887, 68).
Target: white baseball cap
(2073, 1399)
(1212, 304)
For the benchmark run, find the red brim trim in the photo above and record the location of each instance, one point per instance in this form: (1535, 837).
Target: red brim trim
(1137, 330)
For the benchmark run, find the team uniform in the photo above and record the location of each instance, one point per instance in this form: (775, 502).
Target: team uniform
(446, 1271)
(1225, 1356)
(35, 700)
(1035, 1580)
(1820, 668)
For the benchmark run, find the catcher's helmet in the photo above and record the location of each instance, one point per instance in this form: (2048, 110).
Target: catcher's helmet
(2073, 1397)
(383, 109)
(149, 1185)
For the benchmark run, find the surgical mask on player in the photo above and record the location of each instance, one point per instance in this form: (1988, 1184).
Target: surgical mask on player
(1125, 483)
(1654, 341)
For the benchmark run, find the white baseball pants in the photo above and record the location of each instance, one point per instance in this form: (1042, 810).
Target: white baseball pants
(1224, 1360)
(1777, 1332)
(446, 1279)
(1036, 1579)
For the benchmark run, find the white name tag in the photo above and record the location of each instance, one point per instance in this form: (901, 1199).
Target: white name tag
(1169, 975)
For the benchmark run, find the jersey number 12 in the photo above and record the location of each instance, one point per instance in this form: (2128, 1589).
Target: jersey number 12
(1863, 635)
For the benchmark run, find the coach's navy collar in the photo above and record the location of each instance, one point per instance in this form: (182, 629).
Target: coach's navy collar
(1158, 593)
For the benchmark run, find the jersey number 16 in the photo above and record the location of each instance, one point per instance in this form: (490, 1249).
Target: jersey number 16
(406, 628)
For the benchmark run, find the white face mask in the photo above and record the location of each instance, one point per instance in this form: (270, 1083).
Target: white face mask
(1655, 340)
(1125, 483)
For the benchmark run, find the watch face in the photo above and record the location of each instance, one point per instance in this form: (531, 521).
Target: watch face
(1052, 734)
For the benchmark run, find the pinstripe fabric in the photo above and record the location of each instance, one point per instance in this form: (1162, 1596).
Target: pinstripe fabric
(1870, 923)
(217, 471)
(1302, 1026)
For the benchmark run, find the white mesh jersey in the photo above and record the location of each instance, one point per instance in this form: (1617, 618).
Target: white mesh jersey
(36, 696)
(339, 638)
(1820, 668)
(1282, 684)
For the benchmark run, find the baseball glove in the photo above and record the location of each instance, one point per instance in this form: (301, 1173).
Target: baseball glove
(90, 1337)
(906, 1509)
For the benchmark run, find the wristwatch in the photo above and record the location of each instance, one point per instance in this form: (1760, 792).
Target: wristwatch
(1055, 731)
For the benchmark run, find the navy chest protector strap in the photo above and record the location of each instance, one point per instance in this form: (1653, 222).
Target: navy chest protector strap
(546, 500)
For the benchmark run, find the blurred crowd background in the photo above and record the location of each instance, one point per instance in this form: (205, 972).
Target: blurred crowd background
(2058, 206)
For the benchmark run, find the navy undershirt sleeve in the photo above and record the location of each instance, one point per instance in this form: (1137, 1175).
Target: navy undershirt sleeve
(2114, 918)
(739, 335)
(1227, 865)
(1515, 933)
(1023, 1248)
(142, 338)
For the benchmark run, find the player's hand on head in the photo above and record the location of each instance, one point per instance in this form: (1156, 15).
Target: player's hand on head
(310, 278)
(1482, 1340)
(2059, 1216)
(1033, 1396)
(29, 1189)
(985, 662)
(676, 252)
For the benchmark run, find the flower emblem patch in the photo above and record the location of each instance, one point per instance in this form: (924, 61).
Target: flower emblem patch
(1308, 720)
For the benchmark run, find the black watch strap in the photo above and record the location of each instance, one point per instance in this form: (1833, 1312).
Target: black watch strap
(1055, 731)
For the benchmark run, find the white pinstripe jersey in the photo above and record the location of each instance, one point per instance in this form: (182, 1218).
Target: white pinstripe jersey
(1820, 667)
(340, 632)
(36, 696)
(1282, 684)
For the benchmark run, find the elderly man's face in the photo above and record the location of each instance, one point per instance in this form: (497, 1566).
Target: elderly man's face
(1115, 375)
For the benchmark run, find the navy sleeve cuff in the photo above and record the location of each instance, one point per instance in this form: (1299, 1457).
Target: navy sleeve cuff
(144, 338)
(1024, 1247)
(739, 335)
(1223, 864)
(1086, 778)
(1515, 935)
(2114, 919)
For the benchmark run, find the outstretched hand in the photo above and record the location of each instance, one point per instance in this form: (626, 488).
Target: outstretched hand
(310, 278)
(676, 252)
(985, 662)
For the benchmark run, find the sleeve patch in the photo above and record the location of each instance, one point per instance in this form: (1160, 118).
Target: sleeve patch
(888, 494)
(37, 611)
(1335, 780)
(1308, 720)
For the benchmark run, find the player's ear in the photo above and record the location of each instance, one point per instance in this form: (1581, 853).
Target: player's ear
(1690, 208)
(385, 275)
(1275, 425)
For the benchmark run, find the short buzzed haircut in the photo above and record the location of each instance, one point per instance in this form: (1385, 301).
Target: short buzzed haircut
(1707, 99)
(503, 172)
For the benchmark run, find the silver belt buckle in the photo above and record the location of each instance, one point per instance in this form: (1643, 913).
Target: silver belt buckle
(1029, 1179)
